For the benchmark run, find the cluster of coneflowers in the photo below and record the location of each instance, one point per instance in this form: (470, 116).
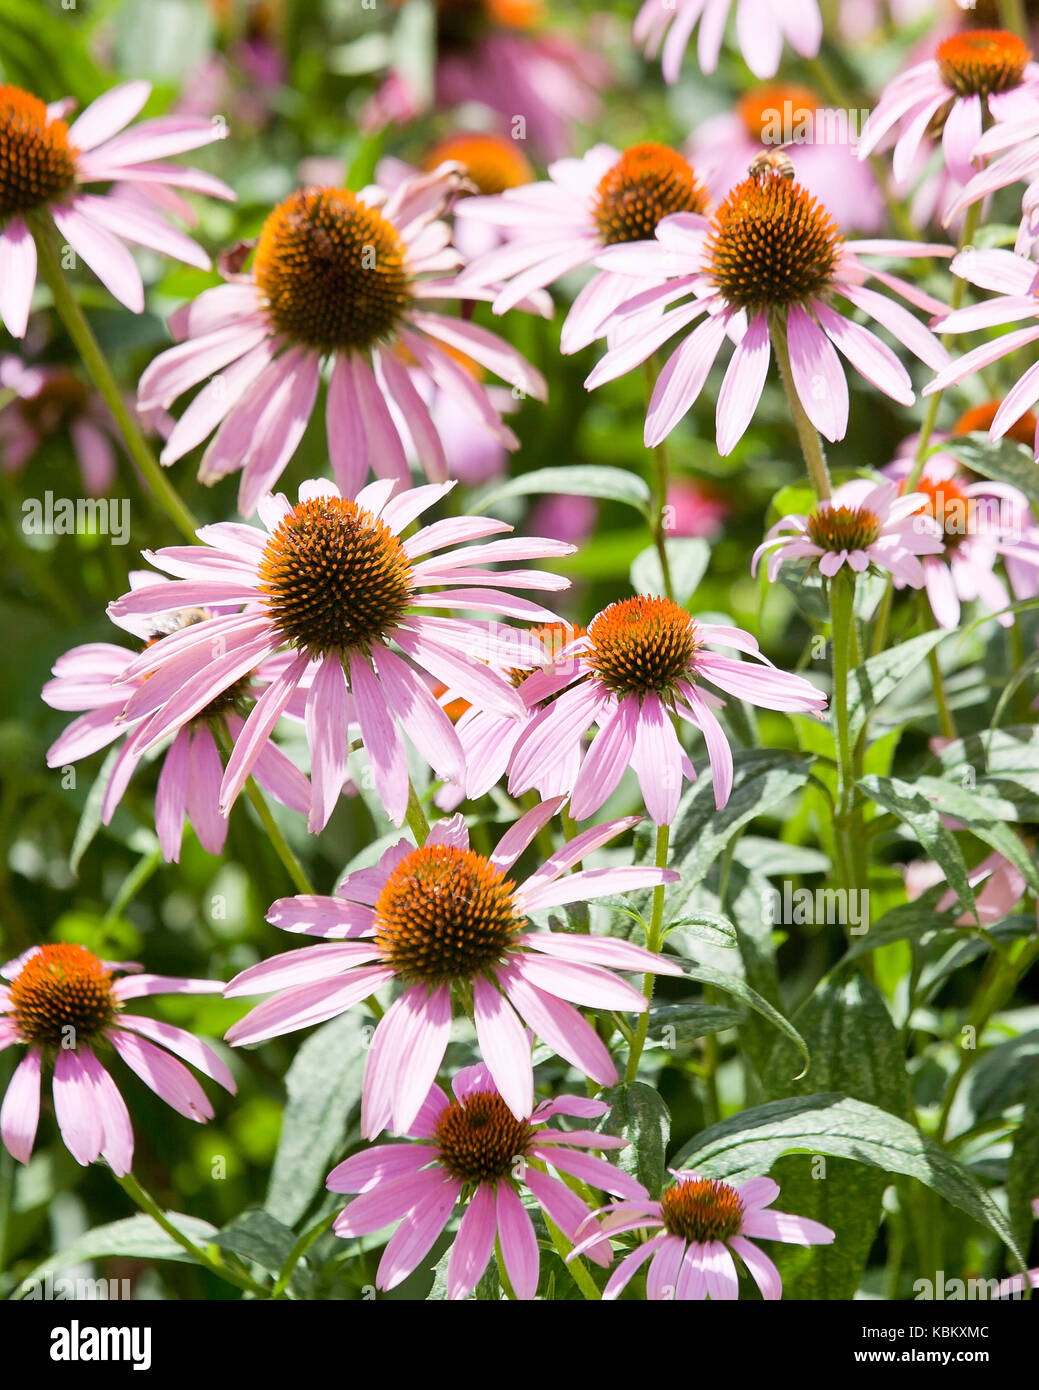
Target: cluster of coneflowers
(374, 628)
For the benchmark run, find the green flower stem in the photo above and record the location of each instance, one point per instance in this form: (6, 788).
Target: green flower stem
(946, 722)
(807, 434)
(654, 941)
(842, 597)
(848, 830)
(96, 363)
(281, 846)
(416, 816)
(658, 488)
(215, 1265)
(297, 1252)
(133, 883)
(1013, 17)
(576, 1267)
(503, 1274)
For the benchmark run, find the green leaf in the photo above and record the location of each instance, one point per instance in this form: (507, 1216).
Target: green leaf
(982, 818)
(856, 1050)
(672, 1024)
(324, 1090)
(135, 1237)
(902, 923)
(999, 762)
(761, 781)
(639, 1114)
(920, 817)
(808, 590)
(1023, 1168)
(871, 683)
(580, 479)
(768, 857)
(1005, 461)
(739, 989)
(711, 927)
(749, 1143)
(256, 1235)
(687, 559)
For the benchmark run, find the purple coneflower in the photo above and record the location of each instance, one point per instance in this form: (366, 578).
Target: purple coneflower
(45, 165)
(702, 1223)
(1014, 282)
(982, 521)
(65, 1005)
(771, 261)
(644, 660)
(761, 28)
(474, 1149)
(331, 581)
(349, 281)
(974, 78)
(606, 198)
(93, 678)
(450, 925)
(862, 524)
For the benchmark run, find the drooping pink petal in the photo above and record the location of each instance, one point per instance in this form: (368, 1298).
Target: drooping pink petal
(20, 1113)
(168, 1078)
(519, 1246)
(505, 1047)
(473, 1243)
(75, 1106)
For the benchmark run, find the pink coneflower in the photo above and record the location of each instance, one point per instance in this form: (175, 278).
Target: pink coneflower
(451, 927)
(488, 738)
(606, 198)
(331, 582)
(665, 26)
(45, 165)
(51, 401)
(497, 54)
(643, 661)
(820, 141)
(1014, 282)
(981, 521)
(342, 280)
(94, 678)
(1018, 143)
(862, 524)
(473, 1148)
(65, 1005)
(491, 163)
(975, 77)
(772, 258)
(702, 1223)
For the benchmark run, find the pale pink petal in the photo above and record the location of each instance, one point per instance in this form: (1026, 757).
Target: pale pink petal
(505, 1047)
(519, 1246)
(75, 1107)
(20, 1113)
(473, 1243)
